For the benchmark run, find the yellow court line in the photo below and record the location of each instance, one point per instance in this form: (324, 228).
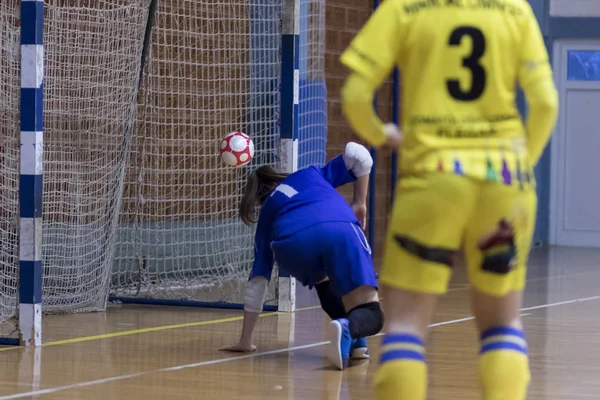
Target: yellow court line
(306, 308)
(165, 327)
(143, 330)
(155, 329)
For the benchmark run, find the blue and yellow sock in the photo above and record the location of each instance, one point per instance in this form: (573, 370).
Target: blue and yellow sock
(503, 364)
(402, 372)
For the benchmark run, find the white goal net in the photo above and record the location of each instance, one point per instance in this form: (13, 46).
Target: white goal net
(312, 113)
(137, 203)
(9, 162)
(93, 59)
(213, 68)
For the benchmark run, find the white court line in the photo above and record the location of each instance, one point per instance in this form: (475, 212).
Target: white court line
(265, 353)
(546, 278)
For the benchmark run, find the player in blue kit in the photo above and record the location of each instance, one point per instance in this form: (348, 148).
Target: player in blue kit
(314, 235)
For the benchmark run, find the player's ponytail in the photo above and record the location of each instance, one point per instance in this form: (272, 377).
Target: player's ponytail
(261, 182)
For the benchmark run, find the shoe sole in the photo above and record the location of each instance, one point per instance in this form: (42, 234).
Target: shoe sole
(360, 353)
(335, 337)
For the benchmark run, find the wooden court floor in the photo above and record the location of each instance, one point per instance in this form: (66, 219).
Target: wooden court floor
(147, 352)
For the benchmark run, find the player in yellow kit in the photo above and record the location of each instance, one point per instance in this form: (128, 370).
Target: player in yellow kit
(466, 167)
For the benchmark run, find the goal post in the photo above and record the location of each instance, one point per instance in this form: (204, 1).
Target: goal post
(31, 173)
(290, 98)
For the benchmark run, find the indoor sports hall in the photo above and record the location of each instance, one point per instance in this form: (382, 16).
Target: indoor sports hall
(122, 257)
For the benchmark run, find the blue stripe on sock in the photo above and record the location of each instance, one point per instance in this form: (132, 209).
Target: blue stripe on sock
(391, 338)
(395, 355)
(502, 330)
(502, 346)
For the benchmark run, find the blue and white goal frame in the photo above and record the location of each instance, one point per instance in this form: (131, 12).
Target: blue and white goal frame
(32, 156)
(31, 173)
(290, 99)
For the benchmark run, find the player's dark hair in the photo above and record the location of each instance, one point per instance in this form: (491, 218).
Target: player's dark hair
(261, 182)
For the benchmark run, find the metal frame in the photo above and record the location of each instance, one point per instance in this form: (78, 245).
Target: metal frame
(290, 98)
(31, 173)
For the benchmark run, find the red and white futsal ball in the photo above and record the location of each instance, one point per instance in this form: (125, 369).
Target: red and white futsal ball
(236, 149)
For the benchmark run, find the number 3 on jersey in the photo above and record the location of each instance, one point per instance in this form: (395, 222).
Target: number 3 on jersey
(471, 62)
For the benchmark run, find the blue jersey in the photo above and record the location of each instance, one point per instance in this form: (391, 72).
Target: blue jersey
(305, 198)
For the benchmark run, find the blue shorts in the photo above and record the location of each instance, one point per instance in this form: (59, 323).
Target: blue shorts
(337, 250)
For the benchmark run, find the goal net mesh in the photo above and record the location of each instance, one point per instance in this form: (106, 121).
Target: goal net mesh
(213, 68)
(93, 58)
(9, 162)
(312, 113)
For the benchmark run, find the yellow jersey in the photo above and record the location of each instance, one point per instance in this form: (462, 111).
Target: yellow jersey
(460, 62)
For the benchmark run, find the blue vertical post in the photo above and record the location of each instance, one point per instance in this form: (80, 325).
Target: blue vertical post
(290, 82)
(541, 233)
(395, 120)
(31, 173)
(312, 107)
(290, 98)
(264, 79)
(371, 232)
(371, 224)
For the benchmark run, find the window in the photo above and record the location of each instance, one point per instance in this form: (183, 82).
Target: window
(583, 65)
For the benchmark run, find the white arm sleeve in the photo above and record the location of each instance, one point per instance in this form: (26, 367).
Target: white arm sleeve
(357, 159)
(256, 290)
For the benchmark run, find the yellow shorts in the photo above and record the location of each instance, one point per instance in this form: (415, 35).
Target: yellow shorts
(436, 215)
